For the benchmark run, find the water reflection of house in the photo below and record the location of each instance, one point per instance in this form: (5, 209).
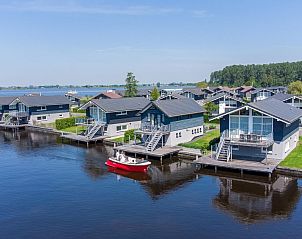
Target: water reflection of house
(168, 178)
(254, 201)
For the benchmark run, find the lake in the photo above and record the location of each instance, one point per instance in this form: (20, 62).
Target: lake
(54, 190)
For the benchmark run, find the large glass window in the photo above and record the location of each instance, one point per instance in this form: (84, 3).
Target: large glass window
(234, 123)
(244, 124)
(267, 126)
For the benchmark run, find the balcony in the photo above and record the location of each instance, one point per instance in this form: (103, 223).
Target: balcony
(238, 137)
(17, 114)
(148, 128)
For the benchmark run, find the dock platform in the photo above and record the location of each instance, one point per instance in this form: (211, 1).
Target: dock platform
(7, 126)
(81, 138)
(242, 165)
(141, 150)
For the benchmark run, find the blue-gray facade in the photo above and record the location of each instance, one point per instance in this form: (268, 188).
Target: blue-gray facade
(156, 117)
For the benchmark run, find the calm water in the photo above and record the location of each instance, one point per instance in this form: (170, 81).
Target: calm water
(51, 190)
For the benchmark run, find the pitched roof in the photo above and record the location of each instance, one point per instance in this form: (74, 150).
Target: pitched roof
(44, 100)
(272, 107)
(260, 89)
(6, 100)
(120, 104)
(195, 91)
(220, 95)
(282, 97)
(111, 95)
(247, 88)
(178, 107)
(278, 109)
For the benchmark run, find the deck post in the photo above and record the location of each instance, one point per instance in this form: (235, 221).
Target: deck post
(270, 176)
(215, 169)
(241, 172)
(266, 156)
(161, 159)
(170, 156)
(134, 139)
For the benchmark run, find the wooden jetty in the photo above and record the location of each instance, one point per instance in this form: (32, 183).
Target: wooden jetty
(142, 151)
(13, 126)
(82, 138)
(265, 166)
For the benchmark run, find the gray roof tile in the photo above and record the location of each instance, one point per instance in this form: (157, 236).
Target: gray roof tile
(44, 100)
(6, 100)
(121, 104)
(278, 109)
(178, 107)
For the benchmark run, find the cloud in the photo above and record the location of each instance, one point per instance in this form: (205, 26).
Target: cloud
(73, 6)
(77, 7)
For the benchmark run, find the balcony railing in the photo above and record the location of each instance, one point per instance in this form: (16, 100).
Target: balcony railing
(147, 127)
(240, 137)
(18, 114)
(84, 121)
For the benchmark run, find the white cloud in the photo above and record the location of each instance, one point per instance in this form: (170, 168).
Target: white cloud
(73, 6)
(76, 7)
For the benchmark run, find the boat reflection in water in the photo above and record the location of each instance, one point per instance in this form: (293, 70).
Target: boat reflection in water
(162, 179)
(255, 201)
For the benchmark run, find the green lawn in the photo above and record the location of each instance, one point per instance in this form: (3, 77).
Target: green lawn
(294, 159)
(75, 129)
(118, 139)
(203, 142)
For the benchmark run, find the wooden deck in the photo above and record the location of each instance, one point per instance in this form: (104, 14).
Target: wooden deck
(5, 126)
(141, 150)
(242, 165)
(82, 138)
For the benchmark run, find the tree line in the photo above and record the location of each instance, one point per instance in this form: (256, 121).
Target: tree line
(258, 75)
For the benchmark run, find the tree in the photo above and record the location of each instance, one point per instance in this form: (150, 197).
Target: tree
(210, 107)
(155, 93)
(131, 85)
(258, 75)
(202, 84)
(295, 88)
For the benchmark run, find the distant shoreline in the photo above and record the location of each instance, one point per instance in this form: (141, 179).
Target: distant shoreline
(87, 86)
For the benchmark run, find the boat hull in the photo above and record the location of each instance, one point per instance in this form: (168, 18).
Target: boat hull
(128, 167)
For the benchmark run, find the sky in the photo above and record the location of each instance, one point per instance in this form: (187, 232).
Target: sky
(82, 42)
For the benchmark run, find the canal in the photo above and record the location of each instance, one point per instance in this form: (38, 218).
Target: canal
(54, 190)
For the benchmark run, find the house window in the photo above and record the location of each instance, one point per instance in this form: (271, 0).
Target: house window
(13, 107)
(195, 131)
(60, 106)
(179, 134)
(0, 107)
(42, 108)
(122, 113)
(121, 127)
(60, 115)
(39, 118)
(192, 131)
(176, 135)
(44, 117)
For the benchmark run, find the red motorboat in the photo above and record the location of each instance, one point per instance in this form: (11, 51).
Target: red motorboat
(128, 163)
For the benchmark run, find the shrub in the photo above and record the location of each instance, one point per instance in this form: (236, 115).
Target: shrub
(129, 134)
(212, 126)
(65, 123)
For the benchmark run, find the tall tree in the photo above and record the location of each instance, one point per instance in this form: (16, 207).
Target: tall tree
(202, 84)
(131, 85)
(295, 88)
(210, 107)
(258, 75)
(155, 93)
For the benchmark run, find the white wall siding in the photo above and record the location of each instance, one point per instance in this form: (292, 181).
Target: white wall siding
(112, 128)
(183, 136)
(48, 118)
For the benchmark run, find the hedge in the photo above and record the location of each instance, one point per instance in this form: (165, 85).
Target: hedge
(66, 122)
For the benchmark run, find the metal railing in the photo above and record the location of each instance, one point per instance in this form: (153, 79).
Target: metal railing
(220, 144)
(240, 136)
(147, 127)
